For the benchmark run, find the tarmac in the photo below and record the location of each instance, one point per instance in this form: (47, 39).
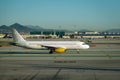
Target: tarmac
(100, 62)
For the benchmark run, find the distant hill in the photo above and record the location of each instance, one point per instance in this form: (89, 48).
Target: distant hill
(29, 28)
(113, 30)
(85, 30)
(24, 28)
(4, 29)
(34, 27)
(19, 27)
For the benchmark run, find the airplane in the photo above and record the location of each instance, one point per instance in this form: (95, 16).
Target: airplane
(53, 46)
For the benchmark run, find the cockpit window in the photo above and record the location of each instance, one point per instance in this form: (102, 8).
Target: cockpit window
(83, 44)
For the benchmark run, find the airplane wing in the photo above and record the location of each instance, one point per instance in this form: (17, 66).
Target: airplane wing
(53, 46)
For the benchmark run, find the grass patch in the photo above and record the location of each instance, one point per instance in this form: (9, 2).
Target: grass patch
(5, 43)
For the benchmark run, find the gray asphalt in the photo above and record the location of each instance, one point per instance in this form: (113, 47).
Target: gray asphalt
(101, 62)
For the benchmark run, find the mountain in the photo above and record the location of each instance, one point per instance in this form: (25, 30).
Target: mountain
(4, 27)
(20, 27)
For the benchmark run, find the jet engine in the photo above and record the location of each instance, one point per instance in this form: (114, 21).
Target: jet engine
(59, 50)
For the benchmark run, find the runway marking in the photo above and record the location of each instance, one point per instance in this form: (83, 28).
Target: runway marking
(63, 61)
(68, 55)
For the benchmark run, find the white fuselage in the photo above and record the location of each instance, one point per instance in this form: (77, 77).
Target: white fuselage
(64, 44)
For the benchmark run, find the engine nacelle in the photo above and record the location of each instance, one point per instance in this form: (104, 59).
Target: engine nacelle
(59, 50)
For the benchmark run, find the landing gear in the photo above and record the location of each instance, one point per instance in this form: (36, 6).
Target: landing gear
(51, 51)
(77, 51)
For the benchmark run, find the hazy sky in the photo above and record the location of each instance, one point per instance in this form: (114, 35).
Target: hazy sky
(64, 14)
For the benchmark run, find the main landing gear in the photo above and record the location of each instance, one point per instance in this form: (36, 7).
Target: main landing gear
(51, 51)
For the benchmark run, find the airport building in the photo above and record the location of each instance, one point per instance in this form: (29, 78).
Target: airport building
(97, 35)
(66, 35)
(50, 33)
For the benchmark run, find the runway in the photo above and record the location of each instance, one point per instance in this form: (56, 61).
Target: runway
(97, 63)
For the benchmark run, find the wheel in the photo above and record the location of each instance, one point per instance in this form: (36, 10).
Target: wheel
(51, 51)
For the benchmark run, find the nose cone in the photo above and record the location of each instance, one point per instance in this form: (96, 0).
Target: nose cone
(86, 46)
